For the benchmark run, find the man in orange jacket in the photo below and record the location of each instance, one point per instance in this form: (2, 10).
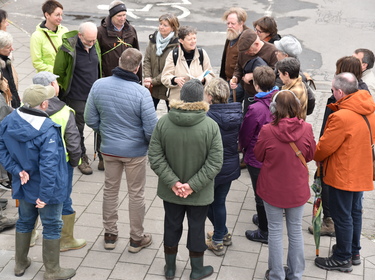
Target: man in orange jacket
(345, 150)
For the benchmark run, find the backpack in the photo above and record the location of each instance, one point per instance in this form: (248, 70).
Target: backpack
(311, 88)
(175, 56)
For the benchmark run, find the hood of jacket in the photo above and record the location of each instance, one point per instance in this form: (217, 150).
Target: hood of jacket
(360, 102)
(54, 105)
(288, 129)
(69, 40)
(31, 126)
(187, 114)
(265, 97)
(226, 115)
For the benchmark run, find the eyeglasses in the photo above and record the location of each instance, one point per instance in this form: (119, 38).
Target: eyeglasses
(258, 31)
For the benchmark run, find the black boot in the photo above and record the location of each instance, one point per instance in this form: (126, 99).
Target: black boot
(170, 254)
(198, 271)
(22, 250)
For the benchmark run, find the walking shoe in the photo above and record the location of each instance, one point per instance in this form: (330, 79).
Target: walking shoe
(110, 241)
(7, 186)
(7, 222)
(227, 239)
(256, 220)
(356, 259)
(257, 235)
(216, 247)
(327, 228)
(332, 264)
(136, 246)
(101, 165)
(3, 203)
(267, 275)
(84, 167)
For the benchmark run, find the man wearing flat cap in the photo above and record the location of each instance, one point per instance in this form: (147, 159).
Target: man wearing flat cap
(250, 47)
(32, 150)
(115, 34)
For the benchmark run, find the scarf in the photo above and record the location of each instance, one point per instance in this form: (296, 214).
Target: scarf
(162, 43)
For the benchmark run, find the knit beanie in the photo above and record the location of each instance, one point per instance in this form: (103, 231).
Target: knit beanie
(115, 7)
(192, 91)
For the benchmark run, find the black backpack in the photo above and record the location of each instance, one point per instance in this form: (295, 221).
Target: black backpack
(175, 56)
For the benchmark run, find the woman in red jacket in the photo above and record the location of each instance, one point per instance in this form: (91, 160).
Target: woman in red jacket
(283, 182)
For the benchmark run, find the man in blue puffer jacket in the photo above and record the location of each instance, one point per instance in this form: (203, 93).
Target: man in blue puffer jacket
(31, 149)
(123, 112)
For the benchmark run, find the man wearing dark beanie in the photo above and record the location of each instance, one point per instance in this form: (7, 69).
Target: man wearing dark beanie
(186, 153)
(115, 34)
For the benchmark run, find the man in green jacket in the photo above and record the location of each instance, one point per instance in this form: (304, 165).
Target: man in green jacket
(78, 65)
(186, 153)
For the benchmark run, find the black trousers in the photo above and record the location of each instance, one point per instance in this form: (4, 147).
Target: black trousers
(79, 107)
(173, 225)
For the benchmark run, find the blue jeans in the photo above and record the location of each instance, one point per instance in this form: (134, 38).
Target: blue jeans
(239, 94)
(217, 212)
(346, 211)
(295, 259)
(50, 216)
(67, 205)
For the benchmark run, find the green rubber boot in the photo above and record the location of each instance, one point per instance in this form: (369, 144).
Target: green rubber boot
(51, 260)
(22, 250)
(170, 254)
(67, 241)
(198, 271)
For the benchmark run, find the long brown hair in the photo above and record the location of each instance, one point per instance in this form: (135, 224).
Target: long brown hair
(286, 105)
(349, 64)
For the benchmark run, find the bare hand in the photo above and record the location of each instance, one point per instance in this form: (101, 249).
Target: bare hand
(24, 177)
(147, 82)
(40, 204)
(233, 83)
(180, 81)
(247, 78)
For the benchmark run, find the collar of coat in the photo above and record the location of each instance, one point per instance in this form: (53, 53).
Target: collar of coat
(125, 75)
(193, 106)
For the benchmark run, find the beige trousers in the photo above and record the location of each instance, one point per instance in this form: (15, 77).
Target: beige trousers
(135, 170)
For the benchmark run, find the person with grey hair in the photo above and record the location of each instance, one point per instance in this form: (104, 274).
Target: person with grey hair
(35, 155)
(186, 176)
(78, 65)
(7, 69)
(122, 111)
(345, 150)
(229, 117)
(116, 34)
(367, 59)
(185, 62)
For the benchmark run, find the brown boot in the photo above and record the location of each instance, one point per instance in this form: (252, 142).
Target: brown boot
(85, 167)
(327, 228)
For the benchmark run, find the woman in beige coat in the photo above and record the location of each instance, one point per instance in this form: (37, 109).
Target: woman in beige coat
(186, 63)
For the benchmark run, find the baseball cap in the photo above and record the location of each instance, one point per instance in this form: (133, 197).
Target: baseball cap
(36, 94)
(44, 78)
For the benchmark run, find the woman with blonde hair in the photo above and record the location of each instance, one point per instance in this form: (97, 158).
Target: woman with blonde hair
(228, 116)
(161, 43)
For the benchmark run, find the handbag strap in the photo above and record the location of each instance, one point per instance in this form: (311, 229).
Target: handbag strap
(369, 128)
(298, 153)
(49, 39)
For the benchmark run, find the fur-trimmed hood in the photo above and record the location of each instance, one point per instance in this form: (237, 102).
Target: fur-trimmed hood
(187, 114)
(194, 106)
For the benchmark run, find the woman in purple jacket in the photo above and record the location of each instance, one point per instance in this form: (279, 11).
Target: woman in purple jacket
(283, 182)
(228, 116)
(256, 116)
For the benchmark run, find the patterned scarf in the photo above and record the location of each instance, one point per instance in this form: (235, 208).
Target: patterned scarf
(162, 43)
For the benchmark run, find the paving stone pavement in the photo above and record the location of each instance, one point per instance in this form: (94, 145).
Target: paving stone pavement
(243, 260)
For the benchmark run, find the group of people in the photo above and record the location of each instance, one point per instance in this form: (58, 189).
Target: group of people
(93, 76)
